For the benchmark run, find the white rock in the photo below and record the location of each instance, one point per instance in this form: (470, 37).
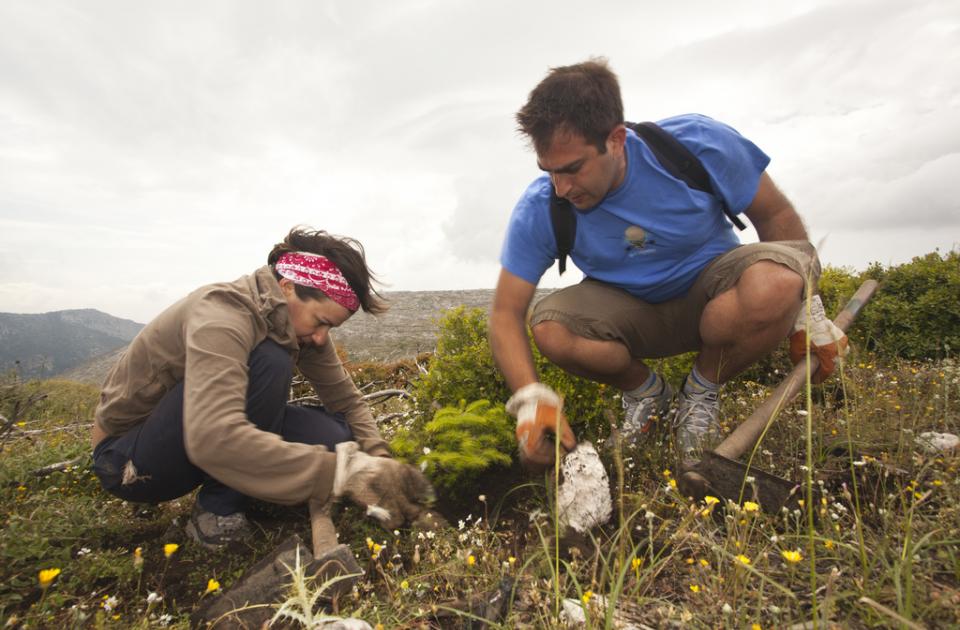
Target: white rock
(933, 442)
(584, 497)
(573, 613)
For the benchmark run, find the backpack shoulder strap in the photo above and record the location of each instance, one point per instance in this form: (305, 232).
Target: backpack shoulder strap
(680, 162)
(564, 221)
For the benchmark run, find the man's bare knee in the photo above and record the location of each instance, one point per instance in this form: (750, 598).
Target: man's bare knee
(769, 292)
(553, 339)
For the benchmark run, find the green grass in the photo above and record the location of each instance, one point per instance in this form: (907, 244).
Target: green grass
(882, 547)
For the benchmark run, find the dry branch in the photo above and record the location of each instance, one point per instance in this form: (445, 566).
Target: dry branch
(386, 393)
(59, 466)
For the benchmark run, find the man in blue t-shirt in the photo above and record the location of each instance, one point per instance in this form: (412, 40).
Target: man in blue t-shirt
(664, 271)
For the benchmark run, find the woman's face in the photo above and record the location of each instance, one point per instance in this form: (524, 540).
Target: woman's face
(312, 319)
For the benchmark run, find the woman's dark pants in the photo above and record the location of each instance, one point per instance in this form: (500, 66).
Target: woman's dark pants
(158, 457)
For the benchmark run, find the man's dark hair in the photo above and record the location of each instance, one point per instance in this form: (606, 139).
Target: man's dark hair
(346, 253)
(583, 98)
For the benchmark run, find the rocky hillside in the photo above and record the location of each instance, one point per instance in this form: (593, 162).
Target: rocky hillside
(48, 344)
(408, 328)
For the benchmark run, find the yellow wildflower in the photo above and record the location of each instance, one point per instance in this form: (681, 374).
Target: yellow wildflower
(47, 576)
(667, 473)
(404, 585)
(511, 560)
(586, 597)
(711, 500)
(828, 544)
(750, 506)
(471, 560)
(937, 482)
(756, 626)
(704, 563)
(138, 558)
(212, 586)
(673, 484)
(792, 556)
(690, 560)
(169, 549)
(369, 543)
(742, 559)
(695, 588)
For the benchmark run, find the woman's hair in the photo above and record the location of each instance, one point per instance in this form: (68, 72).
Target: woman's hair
(346, 253)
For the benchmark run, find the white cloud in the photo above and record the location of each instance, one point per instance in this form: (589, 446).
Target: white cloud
(148, 148)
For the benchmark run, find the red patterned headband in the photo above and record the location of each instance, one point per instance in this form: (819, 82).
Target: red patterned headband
(318, 272)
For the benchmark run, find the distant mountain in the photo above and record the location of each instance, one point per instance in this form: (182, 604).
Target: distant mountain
(408, 328)
(48, 344)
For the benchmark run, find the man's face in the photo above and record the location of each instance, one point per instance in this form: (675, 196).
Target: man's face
(580, 173)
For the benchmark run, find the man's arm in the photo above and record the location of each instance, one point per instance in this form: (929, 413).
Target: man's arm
(508, 330)
(538, 408)
(773, 215)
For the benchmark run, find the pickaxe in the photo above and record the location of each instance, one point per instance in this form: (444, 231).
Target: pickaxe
(719, 474)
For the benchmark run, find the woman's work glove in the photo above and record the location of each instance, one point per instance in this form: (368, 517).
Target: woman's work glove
(827, 341)
(391, 492)
(539, 413)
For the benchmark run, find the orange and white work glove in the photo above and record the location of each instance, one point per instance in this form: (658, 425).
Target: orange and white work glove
(539, 413)
(827, 341)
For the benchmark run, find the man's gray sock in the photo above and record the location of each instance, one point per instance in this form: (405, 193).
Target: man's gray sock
(697, 383)
(650, 387)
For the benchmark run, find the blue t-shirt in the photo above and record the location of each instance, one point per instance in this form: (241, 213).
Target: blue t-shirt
(653, 234)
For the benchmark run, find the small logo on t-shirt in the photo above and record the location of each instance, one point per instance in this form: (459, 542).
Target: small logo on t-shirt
(638, 240)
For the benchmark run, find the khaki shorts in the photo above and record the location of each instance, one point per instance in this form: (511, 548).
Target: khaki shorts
(597, 310)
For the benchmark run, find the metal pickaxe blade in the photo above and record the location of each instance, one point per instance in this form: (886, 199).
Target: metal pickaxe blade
(718, 472)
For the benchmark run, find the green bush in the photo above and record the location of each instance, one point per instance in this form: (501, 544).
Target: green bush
(464, 441)
(916, 313)
(462, 368)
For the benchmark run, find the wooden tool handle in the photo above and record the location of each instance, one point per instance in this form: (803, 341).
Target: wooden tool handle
(321, 528)
(745, 435)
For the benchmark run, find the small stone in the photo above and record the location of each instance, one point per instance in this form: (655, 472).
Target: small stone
(933, 442)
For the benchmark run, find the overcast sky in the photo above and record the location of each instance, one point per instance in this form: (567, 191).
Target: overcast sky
(147, 148)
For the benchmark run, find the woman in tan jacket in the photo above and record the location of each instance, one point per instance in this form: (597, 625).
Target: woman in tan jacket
(199, 398)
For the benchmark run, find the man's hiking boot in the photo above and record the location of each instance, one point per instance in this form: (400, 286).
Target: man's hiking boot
(697, 422)
(641, 414)
(213, 531)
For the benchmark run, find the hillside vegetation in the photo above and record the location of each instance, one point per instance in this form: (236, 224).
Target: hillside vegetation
(874, 540)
